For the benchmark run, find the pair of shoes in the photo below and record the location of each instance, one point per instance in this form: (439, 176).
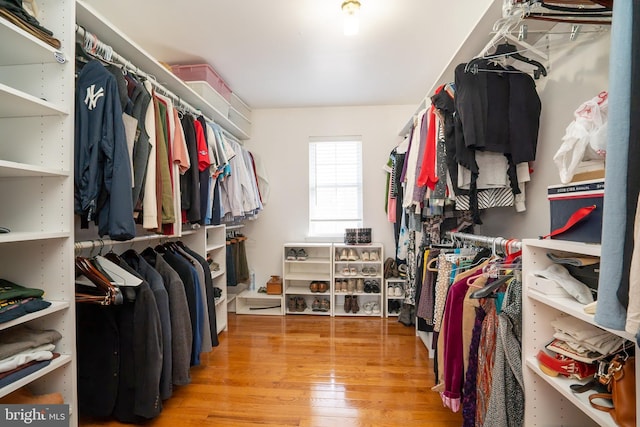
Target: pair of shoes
(371, 307)
(369, 271)
(565, 366)
(351, 304)
(341, 285)
(319, 287)
(349, 271)
(398, 290)
(370, 256)
(393, 306)
(320, 305)
(297, 254)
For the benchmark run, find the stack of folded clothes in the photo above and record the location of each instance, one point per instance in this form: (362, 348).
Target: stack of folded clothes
(14, 12)
(16, 300)
(576, 348)
(24, 350)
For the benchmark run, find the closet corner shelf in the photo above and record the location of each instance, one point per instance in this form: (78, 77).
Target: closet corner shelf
(215, 247)
(580, 400)
(24, 236)
(20, 47)
(573, 308)
(12, 169)
(55, 364)
(15, 103)
(53, 308)
(217, 273)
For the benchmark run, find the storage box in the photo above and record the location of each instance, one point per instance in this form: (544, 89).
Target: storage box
(566, 200)
(239, 120)
(202, 72)
(212, 97)
(274, 285)
(240, 106)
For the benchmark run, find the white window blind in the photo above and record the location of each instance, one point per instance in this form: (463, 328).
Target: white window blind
(335, 185)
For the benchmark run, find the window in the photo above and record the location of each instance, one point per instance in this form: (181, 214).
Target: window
(335, 185)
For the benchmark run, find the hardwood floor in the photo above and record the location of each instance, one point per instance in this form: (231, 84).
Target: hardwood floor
(309, 371)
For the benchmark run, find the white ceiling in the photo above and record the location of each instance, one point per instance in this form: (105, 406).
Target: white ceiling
(292, 53)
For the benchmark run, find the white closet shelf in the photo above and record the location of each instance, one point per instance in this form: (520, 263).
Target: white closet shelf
(215, 247)
(56, 363)
(25, 236)
(20, 47)
(304, 290)
(53, 308)
(220, 300)
(591, 249)
(310, 260)
(580, 400)
(15, 103)
(573, 308)
(308, 276)
(218, 273)
(12, 169)
(127, 48)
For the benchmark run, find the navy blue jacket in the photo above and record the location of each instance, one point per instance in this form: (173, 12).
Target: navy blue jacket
(102, 170)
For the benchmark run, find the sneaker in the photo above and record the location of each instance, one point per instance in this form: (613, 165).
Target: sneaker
(301, 304)
(391, 290)
(301, 255)
(368, 307)
(373, 256)
(325, 305)
(315, 306)
(398, 291)
(291, 304)
(367, 286)
(372, 271)
(365, 256)
(291, 254)
(343, 255)
(375, 287)
(375, 308)
(353, 271)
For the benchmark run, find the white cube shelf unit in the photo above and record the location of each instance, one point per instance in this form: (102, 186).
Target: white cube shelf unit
(303, 264)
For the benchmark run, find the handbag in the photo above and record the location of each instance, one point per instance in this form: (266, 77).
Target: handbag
(620, 379)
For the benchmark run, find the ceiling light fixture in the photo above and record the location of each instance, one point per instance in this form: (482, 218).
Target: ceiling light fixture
(351, 10)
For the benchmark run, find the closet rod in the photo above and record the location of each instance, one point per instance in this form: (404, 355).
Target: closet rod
(113, 56)
(98, 243)
(496, 242)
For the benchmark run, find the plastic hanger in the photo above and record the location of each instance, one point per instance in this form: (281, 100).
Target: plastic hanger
(509, 50)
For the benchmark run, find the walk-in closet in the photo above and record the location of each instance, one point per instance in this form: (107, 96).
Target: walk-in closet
(319, 213)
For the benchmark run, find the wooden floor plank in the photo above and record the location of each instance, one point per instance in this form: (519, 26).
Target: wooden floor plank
(309, 371)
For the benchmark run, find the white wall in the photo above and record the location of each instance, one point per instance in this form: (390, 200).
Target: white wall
(280, 138)
(577, 73)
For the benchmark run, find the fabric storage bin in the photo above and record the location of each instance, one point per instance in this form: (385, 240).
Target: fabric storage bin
(239, 105)
(212, 97)
(202, 72)
(568, 203)
(239, 120)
